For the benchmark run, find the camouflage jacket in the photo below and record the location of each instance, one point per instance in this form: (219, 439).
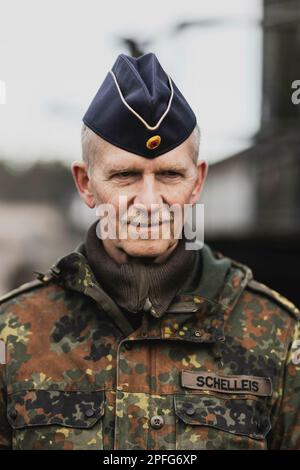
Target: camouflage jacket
(219, 370)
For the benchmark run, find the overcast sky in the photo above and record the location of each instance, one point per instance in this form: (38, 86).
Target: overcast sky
(54, 56)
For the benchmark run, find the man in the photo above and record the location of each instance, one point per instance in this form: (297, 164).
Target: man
(135, 342)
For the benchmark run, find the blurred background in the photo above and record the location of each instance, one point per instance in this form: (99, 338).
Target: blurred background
(235, 61)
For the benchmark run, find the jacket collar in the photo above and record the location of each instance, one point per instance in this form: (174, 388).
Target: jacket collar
(196, 316)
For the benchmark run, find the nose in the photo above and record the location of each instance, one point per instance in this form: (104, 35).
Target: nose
(148, 194)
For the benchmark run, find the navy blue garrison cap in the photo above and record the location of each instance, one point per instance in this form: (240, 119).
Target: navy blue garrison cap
(139, 108)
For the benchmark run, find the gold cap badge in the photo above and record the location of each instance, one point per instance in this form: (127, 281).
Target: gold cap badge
(153, 142)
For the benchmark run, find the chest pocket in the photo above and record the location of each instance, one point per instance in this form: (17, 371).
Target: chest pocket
(43, 419)
(213, 422)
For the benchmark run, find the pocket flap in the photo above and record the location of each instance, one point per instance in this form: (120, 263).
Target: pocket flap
(47, 407)
(248, 417)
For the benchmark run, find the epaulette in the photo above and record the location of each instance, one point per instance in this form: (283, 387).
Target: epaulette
(28, 286)
(234, 263)
(273, 295)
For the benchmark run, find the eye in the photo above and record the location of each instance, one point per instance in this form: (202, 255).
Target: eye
(170, 174)
(124, 174)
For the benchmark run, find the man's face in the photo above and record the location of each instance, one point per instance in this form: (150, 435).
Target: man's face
(149, 187)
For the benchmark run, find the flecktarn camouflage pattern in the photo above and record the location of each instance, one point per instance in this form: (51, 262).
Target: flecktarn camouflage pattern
(217, 371)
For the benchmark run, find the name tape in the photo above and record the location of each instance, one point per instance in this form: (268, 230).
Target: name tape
(260, 386)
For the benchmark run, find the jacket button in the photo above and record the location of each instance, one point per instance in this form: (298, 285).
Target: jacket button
(89, 413)
(190, 410)
(13, 414)
(157, 422)
(198, 333)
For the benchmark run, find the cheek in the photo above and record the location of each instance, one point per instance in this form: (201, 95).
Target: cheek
(112, 199)
(178, 193)
(105, 193)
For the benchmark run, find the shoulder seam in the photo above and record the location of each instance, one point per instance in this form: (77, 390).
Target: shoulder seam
(275, 296)
(20, 290)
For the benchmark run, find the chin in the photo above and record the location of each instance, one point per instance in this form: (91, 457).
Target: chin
(146, 248)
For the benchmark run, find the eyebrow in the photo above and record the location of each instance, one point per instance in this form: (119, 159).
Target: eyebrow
(120, 168)
(171, 167)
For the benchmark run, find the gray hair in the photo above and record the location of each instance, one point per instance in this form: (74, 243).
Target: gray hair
(196, 136)
(91, 145)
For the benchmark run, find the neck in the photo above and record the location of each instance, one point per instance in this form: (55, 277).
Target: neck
(129, 280)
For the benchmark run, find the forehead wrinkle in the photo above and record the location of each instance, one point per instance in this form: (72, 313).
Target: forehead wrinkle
(122, 165)
(149, 167)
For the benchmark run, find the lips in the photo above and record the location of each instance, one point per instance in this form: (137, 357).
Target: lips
(137, 223)
(140, 219)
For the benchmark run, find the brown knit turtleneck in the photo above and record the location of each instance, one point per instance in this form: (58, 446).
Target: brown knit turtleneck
(130, 283)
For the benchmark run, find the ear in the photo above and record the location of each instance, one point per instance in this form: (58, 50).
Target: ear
(83, 183)
(199, 183)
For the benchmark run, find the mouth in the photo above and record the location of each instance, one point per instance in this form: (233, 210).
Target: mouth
(146, 225)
